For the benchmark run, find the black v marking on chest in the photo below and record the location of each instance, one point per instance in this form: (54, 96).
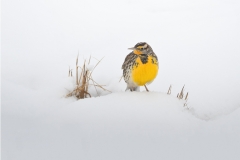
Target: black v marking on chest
(144, 58)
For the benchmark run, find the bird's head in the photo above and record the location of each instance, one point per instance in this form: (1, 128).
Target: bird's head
(141, 48)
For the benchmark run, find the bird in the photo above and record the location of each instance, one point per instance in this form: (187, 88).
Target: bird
(140, 67)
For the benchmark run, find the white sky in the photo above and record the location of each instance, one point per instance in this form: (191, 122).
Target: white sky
(197, 43)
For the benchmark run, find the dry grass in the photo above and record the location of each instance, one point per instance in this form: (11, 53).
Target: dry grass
(83, 81)
(69, 72)
(180, 95)
(120, 78)
(169, 90)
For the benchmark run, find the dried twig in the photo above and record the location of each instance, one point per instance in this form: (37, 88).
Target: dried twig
(94, 84)
(82, 72)
(181, 94)
(69, 72)
(95, 67)
(83, 86)
(120, 79)
(89, 60)
(186, 96)
(100, 86)
(169, 89)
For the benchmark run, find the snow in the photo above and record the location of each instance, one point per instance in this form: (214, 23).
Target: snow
(197, 44)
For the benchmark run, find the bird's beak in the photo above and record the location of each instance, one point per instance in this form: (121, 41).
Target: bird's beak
(131, 48)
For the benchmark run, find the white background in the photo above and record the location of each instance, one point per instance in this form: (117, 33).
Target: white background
(197, 44)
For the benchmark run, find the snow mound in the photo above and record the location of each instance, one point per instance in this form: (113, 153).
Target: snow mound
(123, 125)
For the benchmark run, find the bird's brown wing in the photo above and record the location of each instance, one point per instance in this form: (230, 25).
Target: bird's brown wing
(130, 57)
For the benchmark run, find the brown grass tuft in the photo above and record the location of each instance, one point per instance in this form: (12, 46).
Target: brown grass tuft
(82, 81)
(181, 95)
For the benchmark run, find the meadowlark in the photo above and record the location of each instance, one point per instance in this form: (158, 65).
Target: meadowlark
(140, 66)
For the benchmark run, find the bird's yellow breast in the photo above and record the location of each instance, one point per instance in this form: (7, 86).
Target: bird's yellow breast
(145, 73)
